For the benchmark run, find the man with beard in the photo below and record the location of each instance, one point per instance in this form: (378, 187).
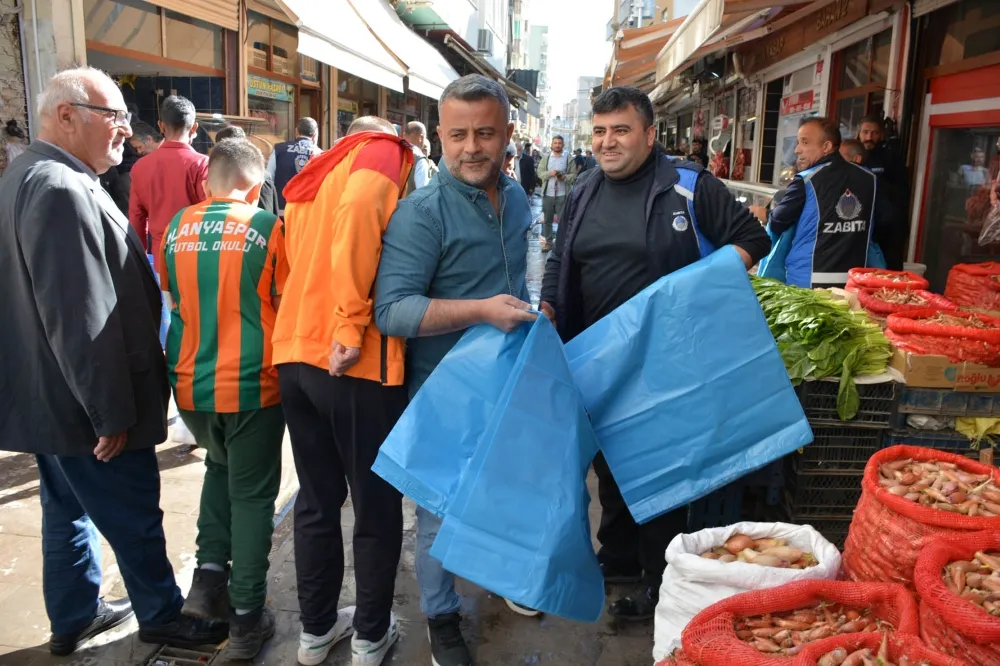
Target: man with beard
(889, 168)
(83, 383)
(454, 256)
(641, 216)
(557, 172)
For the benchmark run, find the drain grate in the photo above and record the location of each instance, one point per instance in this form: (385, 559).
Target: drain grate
(170, 656)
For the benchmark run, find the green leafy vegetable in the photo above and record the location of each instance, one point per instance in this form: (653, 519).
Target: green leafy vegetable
(818, 336)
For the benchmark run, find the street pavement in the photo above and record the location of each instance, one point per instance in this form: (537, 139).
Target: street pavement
(497, 636)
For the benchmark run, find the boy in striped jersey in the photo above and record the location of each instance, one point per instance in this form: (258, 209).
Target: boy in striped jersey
(223, 265)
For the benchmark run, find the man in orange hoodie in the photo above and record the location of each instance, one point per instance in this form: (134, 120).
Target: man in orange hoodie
(341, 387)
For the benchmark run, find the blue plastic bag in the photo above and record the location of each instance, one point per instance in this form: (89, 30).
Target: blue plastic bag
(518, 524)
(685, 387)
(427, 451)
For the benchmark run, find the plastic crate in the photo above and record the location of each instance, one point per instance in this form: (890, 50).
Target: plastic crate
(837, 449)
(946, 402)
(878, 404)
(722, 507)
(942, 440)
(822, 495)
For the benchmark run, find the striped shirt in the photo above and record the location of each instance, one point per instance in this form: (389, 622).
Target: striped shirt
(221, 261)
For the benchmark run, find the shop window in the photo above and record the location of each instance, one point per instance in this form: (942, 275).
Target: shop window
(284, 49)
(127, 24)
(861, 72)
(194, 41)
(970, 29)
(964, 164)
(274, 102)
(258, 40)
(787, 103)
(308, 69)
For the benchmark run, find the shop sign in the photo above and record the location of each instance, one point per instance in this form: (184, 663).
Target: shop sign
(347, 105)
(761, 54)
(798, 103)
(258, 86)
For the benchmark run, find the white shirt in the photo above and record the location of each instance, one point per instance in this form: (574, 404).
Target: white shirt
(555, 187)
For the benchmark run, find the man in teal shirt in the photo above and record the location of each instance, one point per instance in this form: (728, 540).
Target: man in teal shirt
(454, 256)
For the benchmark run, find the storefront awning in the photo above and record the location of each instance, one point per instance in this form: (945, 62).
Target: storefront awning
(518, 95)
(633, 62)
(333, 33)
(429, 73)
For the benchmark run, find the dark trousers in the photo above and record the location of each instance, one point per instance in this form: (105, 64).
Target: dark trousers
(337, 425)
(627, 545)
(121, 498)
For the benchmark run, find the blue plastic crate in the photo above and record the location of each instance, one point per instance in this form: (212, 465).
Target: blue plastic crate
(942, 440)
(946, 402)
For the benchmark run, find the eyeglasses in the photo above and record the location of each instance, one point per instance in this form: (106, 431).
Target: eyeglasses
(119, 117)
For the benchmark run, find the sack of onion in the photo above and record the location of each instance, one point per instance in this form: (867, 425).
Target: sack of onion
(960, 336)
(716, 563)
(975, 285)
(909, 497)
(878, 278)
(958, 582)
(773, 627)
(884, 301)
(874, 649)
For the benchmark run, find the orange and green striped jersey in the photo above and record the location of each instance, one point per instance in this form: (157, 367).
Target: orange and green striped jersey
(221, 261)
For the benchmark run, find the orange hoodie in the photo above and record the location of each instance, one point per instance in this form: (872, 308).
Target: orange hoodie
(336, 210)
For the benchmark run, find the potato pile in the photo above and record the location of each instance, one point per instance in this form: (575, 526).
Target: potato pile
(864, 657)
(785, 633)
(764, 552)
(941, 485)
(977, 580)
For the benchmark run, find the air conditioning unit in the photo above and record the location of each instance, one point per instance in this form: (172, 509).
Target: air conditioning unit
(485, 42)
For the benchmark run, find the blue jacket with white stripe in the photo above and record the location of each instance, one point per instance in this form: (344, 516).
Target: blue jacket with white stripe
(689, 213)
(824, 224)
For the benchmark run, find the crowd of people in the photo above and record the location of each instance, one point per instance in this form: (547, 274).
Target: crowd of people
(316, 291)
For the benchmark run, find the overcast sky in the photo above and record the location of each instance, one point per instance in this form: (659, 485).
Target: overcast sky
(577, 43)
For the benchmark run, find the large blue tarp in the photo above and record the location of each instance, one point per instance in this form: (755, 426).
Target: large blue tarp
(685, 387)
(518, 524)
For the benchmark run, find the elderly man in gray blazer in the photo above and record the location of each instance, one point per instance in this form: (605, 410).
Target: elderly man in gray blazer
(83, 382)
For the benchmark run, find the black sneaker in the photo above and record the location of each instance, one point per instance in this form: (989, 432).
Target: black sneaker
(247, 633)
(618, 575)
(185, 632)
(448, 646)
(110, 614)
(639, 607)
(208, 598)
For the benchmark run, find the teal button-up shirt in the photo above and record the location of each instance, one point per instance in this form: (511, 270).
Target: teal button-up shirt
(446, 241)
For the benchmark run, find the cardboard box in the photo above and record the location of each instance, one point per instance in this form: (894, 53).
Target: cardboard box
(938, 372)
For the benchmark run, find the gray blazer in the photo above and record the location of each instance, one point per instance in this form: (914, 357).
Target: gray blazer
(80, 354)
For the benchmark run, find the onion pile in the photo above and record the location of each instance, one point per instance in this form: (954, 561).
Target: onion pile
(785, 633)
(865, 657)
(943, 486)
(763, 552)
(977, 580)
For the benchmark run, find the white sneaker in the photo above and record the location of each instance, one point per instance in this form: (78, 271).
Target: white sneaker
(367, 653)
(181, 434)
(522, 610)
(313, 650)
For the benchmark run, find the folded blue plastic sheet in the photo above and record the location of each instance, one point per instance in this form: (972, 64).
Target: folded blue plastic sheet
(518, 524)
(429, 448)
(685, 387)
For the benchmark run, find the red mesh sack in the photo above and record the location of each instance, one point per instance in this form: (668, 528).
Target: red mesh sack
(887, 532)
(877, 278)
(872, 301)
(958, 350)
(975, 285)
(948, 622)
(922, 322)
(678, 658)
(898, 646)
(710, 638)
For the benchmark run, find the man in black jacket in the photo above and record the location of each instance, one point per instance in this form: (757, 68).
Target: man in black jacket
(894, 181)
(624, 226)
(529, 179)
(83, 381)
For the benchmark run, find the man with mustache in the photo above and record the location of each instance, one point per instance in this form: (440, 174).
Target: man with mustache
(893, 177)
(641, 216)
(454, 256)
(83, 382)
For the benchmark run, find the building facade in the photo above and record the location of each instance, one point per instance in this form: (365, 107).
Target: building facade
(13, 97)
(538, 58)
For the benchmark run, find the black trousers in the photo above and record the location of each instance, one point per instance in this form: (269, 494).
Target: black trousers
(627, 545)
(337, 425)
